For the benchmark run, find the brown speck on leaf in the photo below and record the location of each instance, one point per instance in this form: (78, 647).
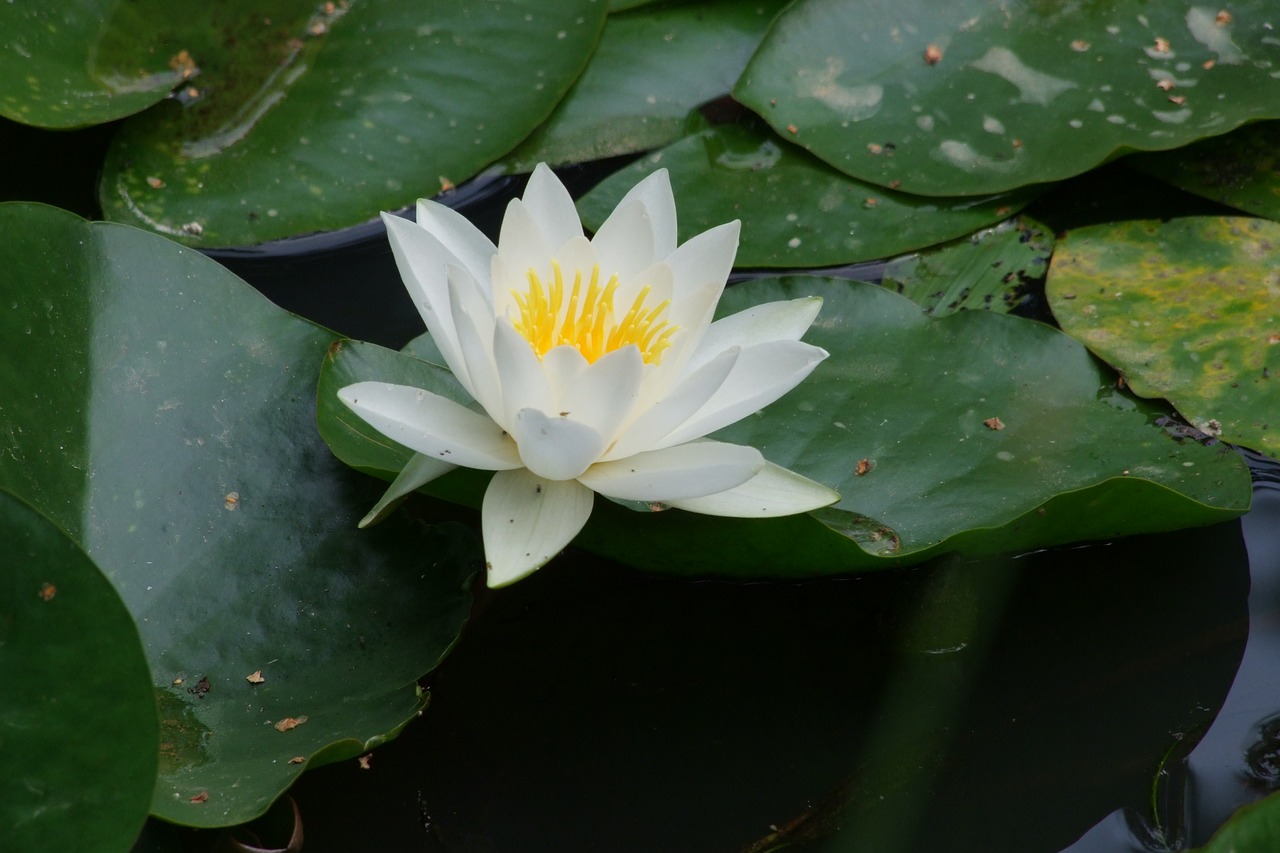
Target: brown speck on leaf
(894, 184)
(446, 184)
(1017, 143)
(1041, 511)
(874, 148)
(1179, 100)
(47, 591)
(870, 202)
(655, 506)
(155, 183)
(1162, 44)
(932, 54)
(297, 759)
(202, 687)
(993, 423)
(1208, 63)
(364, 760)
(202, 797)
(1222, 18)
(1004, 210)
(792, 129)
(773, 102)
(1125, 472)
(290, 723)
(1120, 382)
(863, 467)
(1164, 85)
(335, 348)
(231, 502)
(330, 8)
(1273, 338)
(255, 677)
(192, 92)
(192, 229)
(1079, 45)
(179, 681)
(318, 28)
(1213, 427)
(183, 64)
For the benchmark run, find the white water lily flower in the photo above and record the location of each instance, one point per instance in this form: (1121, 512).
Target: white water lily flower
(596, 365)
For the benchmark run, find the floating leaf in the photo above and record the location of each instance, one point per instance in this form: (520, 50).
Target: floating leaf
(315, 123)
(85, 62)
(796, 211)
(1241, 169)
(1254, 828)
(653, 67)
(162, 412)
(976, 98)
(908, 395)
(988, 271)
(1188, 310)
(78, 726)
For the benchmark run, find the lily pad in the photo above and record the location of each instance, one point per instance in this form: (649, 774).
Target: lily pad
(796, 211)
(85, 62)
(976, 99)
(896, 421)
(989, 271)
(316, 122)
(1188, 310)
(162, 412)
(652, 68)
(78, 725)
(1252, 829)
(1240, 169)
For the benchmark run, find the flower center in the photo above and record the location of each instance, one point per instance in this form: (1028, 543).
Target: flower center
(587, 320)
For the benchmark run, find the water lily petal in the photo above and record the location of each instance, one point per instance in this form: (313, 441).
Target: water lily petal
(555, 447)
(432, 425)
(762, 374)
(773, 321)
(655, 193)
(521, 247)
(706, 259)
(773, 492)
(420, 471)
(562, 366)
(674, 408)
(423, 263)
(524, 382)
(455, 232)
(473, 323)
(604, 393)
(526, 520)
(552, 207)
(690, 470)
(624, 243)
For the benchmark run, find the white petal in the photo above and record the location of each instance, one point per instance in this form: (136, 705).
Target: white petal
(522, 247)
(473, 324)
(773, 492)
(562, 366)
(555, 447)
(604, 394)
(455, 232)
(420, 471)
(524, 382)
(526, 521)
(423, 263)
(772, 321)
(690, 470)
(706, 258)
(670, 411)
(762, 374)
(655, 193)
(432, 425)
(624, 243)
(552, 207)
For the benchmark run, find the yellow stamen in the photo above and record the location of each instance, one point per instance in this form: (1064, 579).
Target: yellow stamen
(588, 322)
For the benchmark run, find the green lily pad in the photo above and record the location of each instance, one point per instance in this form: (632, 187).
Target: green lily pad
(969, 97)
(162, 412)
(1188, 310)
(1254, 828)
(316, 122)
(796, 211)
(83, 62)
(894, 420)
(989, 271)
(1240, 169)
(652, 68)
(78, 725)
